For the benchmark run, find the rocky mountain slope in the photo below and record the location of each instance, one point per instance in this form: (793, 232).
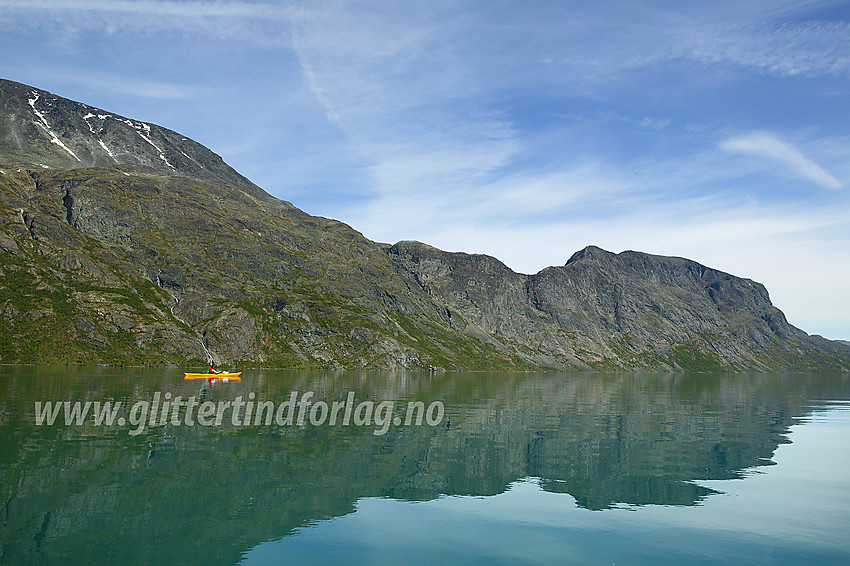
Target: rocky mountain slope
(632, 310)
(124, 242)
(48, 131)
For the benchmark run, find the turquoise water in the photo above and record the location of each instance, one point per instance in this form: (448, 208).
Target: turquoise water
(519, 469)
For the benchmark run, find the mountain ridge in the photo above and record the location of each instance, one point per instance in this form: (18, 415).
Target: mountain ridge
(52, 131)
(115, 250)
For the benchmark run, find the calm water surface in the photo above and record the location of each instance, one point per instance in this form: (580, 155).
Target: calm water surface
(521, 469)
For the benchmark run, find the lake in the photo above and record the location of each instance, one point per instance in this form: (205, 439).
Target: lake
(349, 467)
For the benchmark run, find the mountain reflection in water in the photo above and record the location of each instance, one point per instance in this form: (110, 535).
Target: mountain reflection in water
(190, 495)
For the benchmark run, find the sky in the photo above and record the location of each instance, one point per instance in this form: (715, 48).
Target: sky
(526, 130)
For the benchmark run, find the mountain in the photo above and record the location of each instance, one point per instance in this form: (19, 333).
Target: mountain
(126, 243)
(47, 131)
(631, 310)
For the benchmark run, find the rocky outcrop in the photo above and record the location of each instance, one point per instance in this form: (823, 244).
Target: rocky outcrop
(124, 242)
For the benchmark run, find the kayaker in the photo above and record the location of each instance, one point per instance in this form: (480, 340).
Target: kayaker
(212, 371)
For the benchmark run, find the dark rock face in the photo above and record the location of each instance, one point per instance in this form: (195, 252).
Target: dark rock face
(630, 310)
(123, 242)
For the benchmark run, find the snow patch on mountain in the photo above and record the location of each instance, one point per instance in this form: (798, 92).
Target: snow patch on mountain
(43, 124)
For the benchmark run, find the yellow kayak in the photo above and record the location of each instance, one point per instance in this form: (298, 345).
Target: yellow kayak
(227, 376)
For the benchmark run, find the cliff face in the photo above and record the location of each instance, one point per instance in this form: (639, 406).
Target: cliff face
(123, 242)
(629, 310)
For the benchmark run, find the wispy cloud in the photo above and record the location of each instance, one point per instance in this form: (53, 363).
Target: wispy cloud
(257, 22)
(599, 45)
(393, 82)
(764, 144)
(420, 93)
(124, 85)
(189, 8)
(789, 49)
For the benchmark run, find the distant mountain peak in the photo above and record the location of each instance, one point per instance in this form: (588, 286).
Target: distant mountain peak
(589, 252)
(45, 130)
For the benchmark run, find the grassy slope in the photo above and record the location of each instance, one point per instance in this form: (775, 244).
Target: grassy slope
(258, 281)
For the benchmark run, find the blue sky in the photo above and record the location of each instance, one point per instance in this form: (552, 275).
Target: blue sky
(717, 131)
